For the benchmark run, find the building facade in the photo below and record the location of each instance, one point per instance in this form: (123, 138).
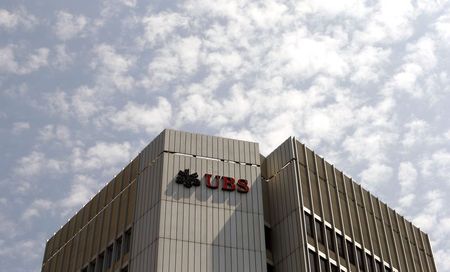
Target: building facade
(191, 202)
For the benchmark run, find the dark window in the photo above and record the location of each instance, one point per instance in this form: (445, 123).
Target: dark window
(323, 265)
(127, 242)
(369, 262)
(319, 231)
(270, 268)
(334, 268)
(101, 259)
(309, 225)
(387, 269)
(359, 255)
(118, 249)
(313, 261)
(330, 238)
(108, 257)
(125, 269)
(379, 266)
(350, 252)
(268, 236)
(341, 245)
(92, 267)
(84, 269)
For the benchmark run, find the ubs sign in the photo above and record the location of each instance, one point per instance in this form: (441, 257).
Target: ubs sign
(225, 183)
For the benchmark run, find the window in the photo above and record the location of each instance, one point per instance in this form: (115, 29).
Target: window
(309, 225)
(379, 266)
(268, 236)
(313, 261)
(118, 249)
(369, 262)
(270, 268)
(359, 255)
(330, 239)
(109, 252)
(334, 268)
(85, 269)
(387, 269)
(323, 265)
(319, 231)
(125, 269)
(101, 259)
(91, 267)
(350, 252)
(127, 242)
(341, 245)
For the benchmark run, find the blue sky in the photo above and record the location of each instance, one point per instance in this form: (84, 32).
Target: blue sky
(85, 85)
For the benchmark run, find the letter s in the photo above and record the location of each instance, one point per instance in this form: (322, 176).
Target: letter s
(243, 186)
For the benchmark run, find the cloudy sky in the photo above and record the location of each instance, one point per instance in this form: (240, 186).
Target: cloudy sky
(84, 85)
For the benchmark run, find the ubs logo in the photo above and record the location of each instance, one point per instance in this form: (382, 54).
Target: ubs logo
(226, 183)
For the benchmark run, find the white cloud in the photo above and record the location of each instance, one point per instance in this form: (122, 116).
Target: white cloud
(369, 63)
(82, 189)
(36, 163)
(30, 167)
(415, 133)
(51, 133)
(407, 175)
(138, 117)
(437, 165)
(102, 155)
(129, 3)
(19, 127)
(10, 20)
(175, 62)
(389, 22)
(84, 103)
(420, 60)
(301, 55)
(62, 58)
(159, 26)
(33, 62)
(376, 174)
(36, 208)
(69, 26)
(112, 68)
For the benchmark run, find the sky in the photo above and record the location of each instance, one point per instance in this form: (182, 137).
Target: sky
(85, 85)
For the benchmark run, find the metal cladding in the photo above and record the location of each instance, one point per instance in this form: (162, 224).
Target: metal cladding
(191, 202)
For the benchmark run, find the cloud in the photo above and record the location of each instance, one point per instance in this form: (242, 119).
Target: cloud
(112, 68)
(33, 62)
(62, 59)
(438, 165)
(387, 23)
(52, 133)
(102, 155)
(175, 62)
(157, 27)
(84, 103)
(19, 127)
(82, 188)
(419, 61)
(138, 117)
(375, 175)
(36, 163)
(11, 20)
(69, 26)
(36, 208)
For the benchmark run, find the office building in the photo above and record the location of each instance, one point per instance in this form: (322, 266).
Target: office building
(191, 202)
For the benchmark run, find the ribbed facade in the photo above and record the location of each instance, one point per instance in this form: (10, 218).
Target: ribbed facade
(235, 211)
